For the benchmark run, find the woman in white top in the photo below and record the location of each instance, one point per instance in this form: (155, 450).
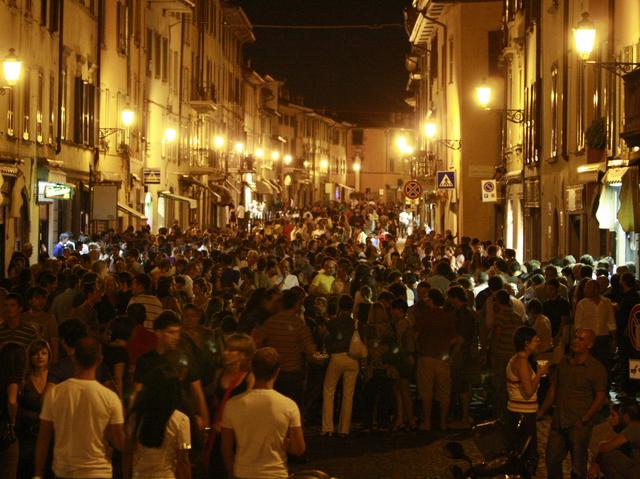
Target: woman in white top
(159, 436)
(522, 386)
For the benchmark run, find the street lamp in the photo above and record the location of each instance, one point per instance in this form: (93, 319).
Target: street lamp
(239, 147)
(218, 142)
(127, 116)
(287, 159)
(275, 155)
(585, 36)
(259, 153)
(324, 165)
(483, 97)
(12, 68)
(170, 135)
(430, 130)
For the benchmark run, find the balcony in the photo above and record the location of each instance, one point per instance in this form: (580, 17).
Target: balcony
(174, 6)
(203, 99)
(235, 19)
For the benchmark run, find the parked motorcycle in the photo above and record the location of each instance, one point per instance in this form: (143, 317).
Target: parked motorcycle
(501, 457)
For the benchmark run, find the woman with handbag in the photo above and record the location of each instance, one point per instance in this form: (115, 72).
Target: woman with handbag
(235, 378)
(346, 347)
(30, 404)
(13, 361)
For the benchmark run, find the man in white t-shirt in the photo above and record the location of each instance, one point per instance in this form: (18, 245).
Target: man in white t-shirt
(261, 426)
(84, 418)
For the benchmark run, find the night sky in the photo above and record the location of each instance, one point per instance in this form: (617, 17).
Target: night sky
(357, 74)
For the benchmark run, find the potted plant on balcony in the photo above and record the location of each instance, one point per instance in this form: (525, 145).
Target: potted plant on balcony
(596, 140)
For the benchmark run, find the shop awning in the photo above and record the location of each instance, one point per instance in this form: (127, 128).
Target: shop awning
(629, 212)
(227, 194)
(262, 187)
(274, 186)
(130, 211)
(194, 181)
(167, 194)
(346, 187)
(613, 176)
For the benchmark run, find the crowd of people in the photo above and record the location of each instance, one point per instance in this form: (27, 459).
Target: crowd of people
(201, 353)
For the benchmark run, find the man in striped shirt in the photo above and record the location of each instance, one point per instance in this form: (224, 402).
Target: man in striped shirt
(152, 305)
(287, 332)
(13, 329)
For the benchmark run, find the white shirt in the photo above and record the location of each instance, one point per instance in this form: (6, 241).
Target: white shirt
(80, 411)
(240, 212)
(289, 281)
(599, 318)
(404, 217)
(260, 419)
(160, 463)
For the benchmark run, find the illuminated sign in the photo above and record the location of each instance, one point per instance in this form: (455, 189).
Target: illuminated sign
(54, 191)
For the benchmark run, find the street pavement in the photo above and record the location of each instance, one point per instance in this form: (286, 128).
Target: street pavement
(410, 455)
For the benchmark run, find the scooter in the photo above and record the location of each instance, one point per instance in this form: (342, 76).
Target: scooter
(501, 459)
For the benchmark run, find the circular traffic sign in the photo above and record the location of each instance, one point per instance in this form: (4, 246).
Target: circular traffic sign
(412, 189)
(489, 186)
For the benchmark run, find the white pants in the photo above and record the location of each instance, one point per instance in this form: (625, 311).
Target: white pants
(340, 364)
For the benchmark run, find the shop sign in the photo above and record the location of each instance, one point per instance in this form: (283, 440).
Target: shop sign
(55, 191)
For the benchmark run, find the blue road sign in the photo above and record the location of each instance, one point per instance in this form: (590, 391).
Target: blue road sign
(446, 180)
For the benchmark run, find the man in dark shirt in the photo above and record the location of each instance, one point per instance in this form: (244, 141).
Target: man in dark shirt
(167, 329)
(557, 308)
(630, 298)
(619, 457)
(578, 390)
(435, 331)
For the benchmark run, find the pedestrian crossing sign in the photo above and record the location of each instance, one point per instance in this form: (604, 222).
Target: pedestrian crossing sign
(446, 180)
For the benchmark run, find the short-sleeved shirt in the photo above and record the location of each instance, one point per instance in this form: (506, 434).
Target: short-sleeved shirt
(435, 328)
(160, 462)
(323, 282)
(260, 419)
(24, 334)
(81, 410)
(576, 388)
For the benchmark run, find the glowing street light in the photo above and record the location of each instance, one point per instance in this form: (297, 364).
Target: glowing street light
(357, 167)
(430, 129)
(127, 116)
(170, 135)
(287, 159)
(239, 148)
(275, 155)
(259, 153)
(483, 95)
(585, 36)
(324, 165)
(12, 68)
(218, 142)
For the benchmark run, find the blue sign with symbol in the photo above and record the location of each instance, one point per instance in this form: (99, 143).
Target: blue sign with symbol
(446, 180)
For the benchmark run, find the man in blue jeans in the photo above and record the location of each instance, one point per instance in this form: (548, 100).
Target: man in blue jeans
(578, 391)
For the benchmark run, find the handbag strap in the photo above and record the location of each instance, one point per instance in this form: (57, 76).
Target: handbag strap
(237, 379)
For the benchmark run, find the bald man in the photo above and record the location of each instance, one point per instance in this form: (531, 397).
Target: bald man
(578, 391)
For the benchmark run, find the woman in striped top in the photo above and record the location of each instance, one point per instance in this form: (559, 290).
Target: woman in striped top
(523, 379)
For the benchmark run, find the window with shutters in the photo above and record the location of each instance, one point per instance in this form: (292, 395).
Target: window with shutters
(121, 30)
(52, 110)
(54, 14)
(28, 8)
(149, 51)
(63, 105)
(11, 113)
(26, 106)
(581, 110)
(554, 113)
(39, 109)
(157, 54)
(165, 59)
(43, 12)
(78, 90)
(495, 50)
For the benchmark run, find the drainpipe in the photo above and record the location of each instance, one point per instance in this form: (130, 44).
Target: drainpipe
(60, 69)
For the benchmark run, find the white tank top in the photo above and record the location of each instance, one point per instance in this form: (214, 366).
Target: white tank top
(518, 402)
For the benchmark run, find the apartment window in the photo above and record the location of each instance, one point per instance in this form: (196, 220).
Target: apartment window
(28, 8)
(63, 105)
(149, 51)
(52, 110)
(554, 112)
(214, 19)
(84, 110)
(26, 102)
(580, 106)
(121, 30)
(11, 113)
(357, 136)
(176, 71)
(43, 12)
(54, 14)
(451, 64)
(165, 59)
(39, 109)
(157, 54)
(495, 50)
